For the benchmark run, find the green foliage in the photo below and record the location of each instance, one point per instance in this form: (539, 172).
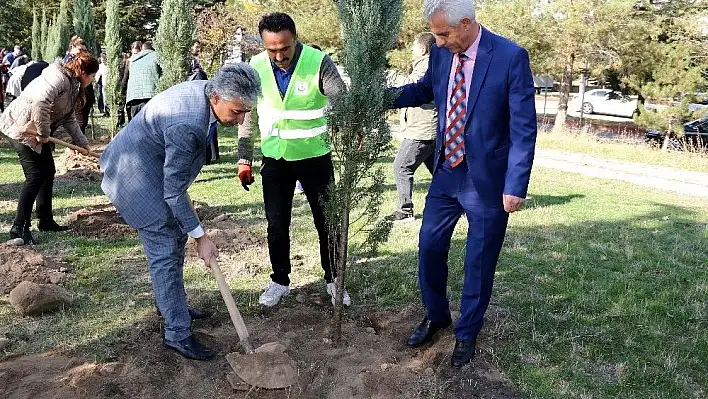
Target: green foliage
(113, 57)
(175, 35)
(44, 34)
(400, 60)
(361, 136)
(59, 33)
(36, 37)
(84, 25)
(138, 20)
(15, 23)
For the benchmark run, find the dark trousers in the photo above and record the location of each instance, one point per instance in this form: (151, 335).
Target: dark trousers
(39, 173)
(411, 154)
(279, 177)
(134, 106)
(451, 195)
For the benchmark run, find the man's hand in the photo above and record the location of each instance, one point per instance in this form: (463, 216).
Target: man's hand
(206, 249)
(513, 203)
(245, 175)
(86, 150)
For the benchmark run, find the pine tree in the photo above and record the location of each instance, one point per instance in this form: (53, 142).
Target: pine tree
(114, 58)
(36, 37)
(59, 33)
(44, 36)
(175, 35)
(361, 136)
(49, 45)
(84, 24)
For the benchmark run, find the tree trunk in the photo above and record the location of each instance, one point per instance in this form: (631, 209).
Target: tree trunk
(341, 240)
(566, 83)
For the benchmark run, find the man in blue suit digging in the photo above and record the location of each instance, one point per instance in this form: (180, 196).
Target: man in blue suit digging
(482, 87)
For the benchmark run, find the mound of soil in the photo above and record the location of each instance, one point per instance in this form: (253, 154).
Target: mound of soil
(18, 264)
(75, 167)
(373, 362)
(100, 221)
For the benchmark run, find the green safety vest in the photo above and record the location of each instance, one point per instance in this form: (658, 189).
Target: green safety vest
(293, 127)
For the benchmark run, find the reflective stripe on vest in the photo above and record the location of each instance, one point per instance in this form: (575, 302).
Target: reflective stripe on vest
(293, 127)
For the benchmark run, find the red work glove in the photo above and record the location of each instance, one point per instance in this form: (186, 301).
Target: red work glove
(245, 175)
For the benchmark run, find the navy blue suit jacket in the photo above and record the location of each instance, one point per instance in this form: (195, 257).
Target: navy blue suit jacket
(500, 133)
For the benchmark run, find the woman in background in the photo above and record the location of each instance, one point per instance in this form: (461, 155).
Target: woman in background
(49, 102)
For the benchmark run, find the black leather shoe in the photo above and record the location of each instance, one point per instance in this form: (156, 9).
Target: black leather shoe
(50, 225)
(425, 331)
(194, 314)
(190, 348)
(463, 352)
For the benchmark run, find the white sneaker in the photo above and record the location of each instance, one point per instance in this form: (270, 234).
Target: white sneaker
(273, 293)
(332, 291)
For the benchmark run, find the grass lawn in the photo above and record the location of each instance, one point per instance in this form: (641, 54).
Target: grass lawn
(588, 144)
(600, 292)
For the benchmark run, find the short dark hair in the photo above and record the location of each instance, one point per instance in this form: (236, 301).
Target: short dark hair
(277, 22)
(147, 45)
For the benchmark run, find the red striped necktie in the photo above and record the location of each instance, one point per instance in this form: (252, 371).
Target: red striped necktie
(456, 117)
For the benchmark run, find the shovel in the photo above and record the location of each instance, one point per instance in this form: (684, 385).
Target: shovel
(63, 143)
(266, 367)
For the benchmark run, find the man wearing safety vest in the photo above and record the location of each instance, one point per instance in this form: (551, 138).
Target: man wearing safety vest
(296, 81)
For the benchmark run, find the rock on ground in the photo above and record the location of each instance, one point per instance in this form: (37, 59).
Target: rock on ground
(31, 299)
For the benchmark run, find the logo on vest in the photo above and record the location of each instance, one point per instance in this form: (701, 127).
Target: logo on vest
(301, 87)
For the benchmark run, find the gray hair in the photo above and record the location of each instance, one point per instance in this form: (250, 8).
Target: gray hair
(236, 82)
(454, 10)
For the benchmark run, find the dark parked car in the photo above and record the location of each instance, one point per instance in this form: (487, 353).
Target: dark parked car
(695, 135)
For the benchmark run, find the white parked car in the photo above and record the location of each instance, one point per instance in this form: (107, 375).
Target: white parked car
(605, 101)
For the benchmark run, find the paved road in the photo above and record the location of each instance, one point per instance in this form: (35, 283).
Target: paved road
(658, 177)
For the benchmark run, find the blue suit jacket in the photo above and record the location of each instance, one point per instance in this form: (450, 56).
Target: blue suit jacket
(500, 133)
(151, 163)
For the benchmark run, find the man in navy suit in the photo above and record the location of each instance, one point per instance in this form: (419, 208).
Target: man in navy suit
(482, 87)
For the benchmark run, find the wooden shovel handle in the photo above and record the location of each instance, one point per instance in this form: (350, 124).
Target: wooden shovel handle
(65, 144)
(236, 318)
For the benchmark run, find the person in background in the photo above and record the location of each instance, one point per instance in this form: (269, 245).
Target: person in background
(196, 72)
(32, 72)
(20, 60)
(10, 56)
(101, 84)
(135, 48)
(144, 72)
(47, 103)
(418, 130)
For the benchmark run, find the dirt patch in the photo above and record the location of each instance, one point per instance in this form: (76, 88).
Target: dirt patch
(18, 264)
(76, 168)
(373, 363)
(231, 237)
(100, 221)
